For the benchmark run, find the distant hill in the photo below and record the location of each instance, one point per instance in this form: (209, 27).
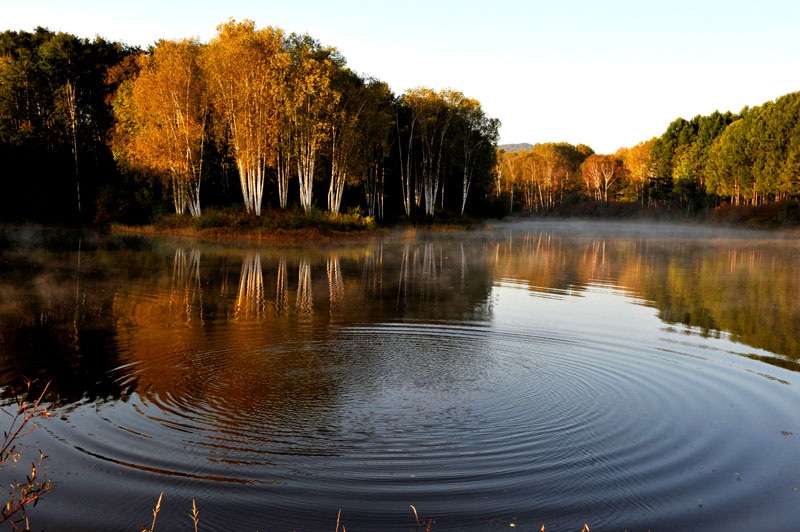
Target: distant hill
(516, 147)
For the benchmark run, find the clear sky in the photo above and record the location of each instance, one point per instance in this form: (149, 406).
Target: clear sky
(607, 74)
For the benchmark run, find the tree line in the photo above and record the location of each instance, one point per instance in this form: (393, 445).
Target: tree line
(749, 158)
(54, 119)
(255, 117)
(258, 118)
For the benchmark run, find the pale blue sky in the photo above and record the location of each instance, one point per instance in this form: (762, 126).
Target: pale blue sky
(607, 74)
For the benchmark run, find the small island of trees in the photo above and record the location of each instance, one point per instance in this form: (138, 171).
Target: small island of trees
(177, 126)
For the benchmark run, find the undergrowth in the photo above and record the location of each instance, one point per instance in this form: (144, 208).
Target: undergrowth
(237, 221)
(779, 214)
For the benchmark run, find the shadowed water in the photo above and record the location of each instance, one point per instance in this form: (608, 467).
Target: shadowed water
(628, 377)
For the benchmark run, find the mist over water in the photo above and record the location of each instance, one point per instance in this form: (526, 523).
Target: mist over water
(628, 376)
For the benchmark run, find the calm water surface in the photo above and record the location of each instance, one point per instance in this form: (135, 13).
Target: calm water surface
(626, 377)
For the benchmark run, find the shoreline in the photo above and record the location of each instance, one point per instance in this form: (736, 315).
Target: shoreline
(602, 226)
(296, 236)
(315, 234)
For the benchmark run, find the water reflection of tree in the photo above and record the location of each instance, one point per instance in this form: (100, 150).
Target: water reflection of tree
(739, 287)
(371, 280)
(430, 272)
(335, 282)
(305, 296)
(402, 284)
(186, 294)
(56, 323)
(425, 277)
(75, 319)
(250, 301)
(748, 292)
(281, 288)
(168, 321)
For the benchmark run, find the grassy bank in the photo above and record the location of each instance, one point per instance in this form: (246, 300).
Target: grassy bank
(271, 225)
(289, 225)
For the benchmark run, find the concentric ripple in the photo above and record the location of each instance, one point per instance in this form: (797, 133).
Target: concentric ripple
(474, 423)
(516, 376)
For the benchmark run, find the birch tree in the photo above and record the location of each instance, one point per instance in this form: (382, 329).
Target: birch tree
(375, 125)
(552, 170)
(344, 133)
(599, 173)
(163, 113)
(312, 99)
(283, 154)
(71, 102)
(590, 171)
(477, 132)
(62, 57)
(640, 169)
(360, 128)
(433, 112)
(245, 68)
(406, 173)
(507, 175)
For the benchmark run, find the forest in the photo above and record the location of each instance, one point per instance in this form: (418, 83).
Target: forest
(255, 119)
(259, 120)
(747, 159)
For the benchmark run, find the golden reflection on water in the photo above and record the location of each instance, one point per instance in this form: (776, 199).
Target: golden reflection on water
(319, 367)
(257, 344)
(746, 288)
(250, 301)
(76, 315)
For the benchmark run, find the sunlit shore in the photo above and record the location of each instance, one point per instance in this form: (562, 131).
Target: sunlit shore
(276, 235)
(288, 226)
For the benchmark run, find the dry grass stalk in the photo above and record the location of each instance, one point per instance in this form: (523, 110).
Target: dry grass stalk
(195, 515)
(155, 514)
(28, 492)
(196, 519)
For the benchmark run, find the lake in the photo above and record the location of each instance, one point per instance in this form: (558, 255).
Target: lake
(628, 376)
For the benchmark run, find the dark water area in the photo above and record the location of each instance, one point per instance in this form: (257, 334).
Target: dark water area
(620, 375)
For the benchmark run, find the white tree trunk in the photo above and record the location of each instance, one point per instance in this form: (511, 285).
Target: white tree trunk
(338, 174)
(284, 164)
(336, 189)
(465, 188)
(305, 171)
(370, 191)
(72, 108)
(405, 172)
(251, 177)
